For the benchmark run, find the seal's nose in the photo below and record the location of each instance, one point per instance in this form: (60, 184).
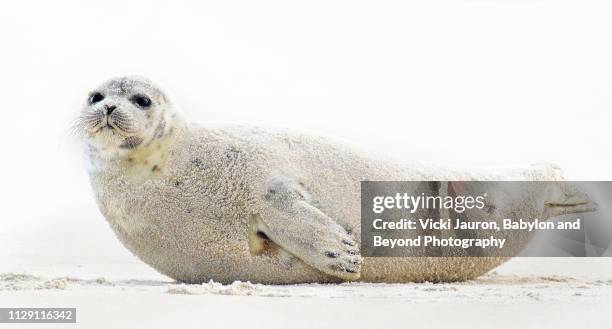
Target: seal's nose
(110, 109)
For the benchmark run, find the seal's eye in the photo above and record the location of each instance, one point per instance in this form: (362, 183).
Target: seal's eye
(95, 97)
(142, 101)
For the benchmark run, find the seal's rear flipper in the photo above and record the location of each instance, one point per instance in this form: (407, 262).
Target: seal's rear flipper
(566, 198)
(291, 221)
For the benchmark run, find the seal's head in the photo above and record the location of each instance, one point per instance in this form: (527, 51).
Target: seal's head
(123, 115)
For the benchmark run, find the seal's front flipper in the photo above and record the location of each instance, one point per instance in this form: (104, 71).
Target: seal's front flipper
(290, 220)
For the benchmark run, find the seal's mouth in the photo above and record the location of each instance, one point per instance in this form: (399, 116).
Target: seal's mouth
(106, 127)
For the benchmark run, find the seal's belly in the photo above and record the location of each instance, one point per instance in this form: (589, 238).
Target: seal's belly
(191, 240)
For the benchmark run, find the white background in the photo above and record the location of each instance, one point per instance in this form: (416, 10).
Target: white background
(475, 83)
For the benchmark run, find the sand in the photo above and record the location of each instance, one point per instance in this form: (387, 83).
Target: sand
(500, 301)
(491, 288)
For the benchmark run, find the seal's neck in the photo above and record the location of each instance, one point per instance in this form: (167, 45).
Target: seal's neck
(144, 162)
